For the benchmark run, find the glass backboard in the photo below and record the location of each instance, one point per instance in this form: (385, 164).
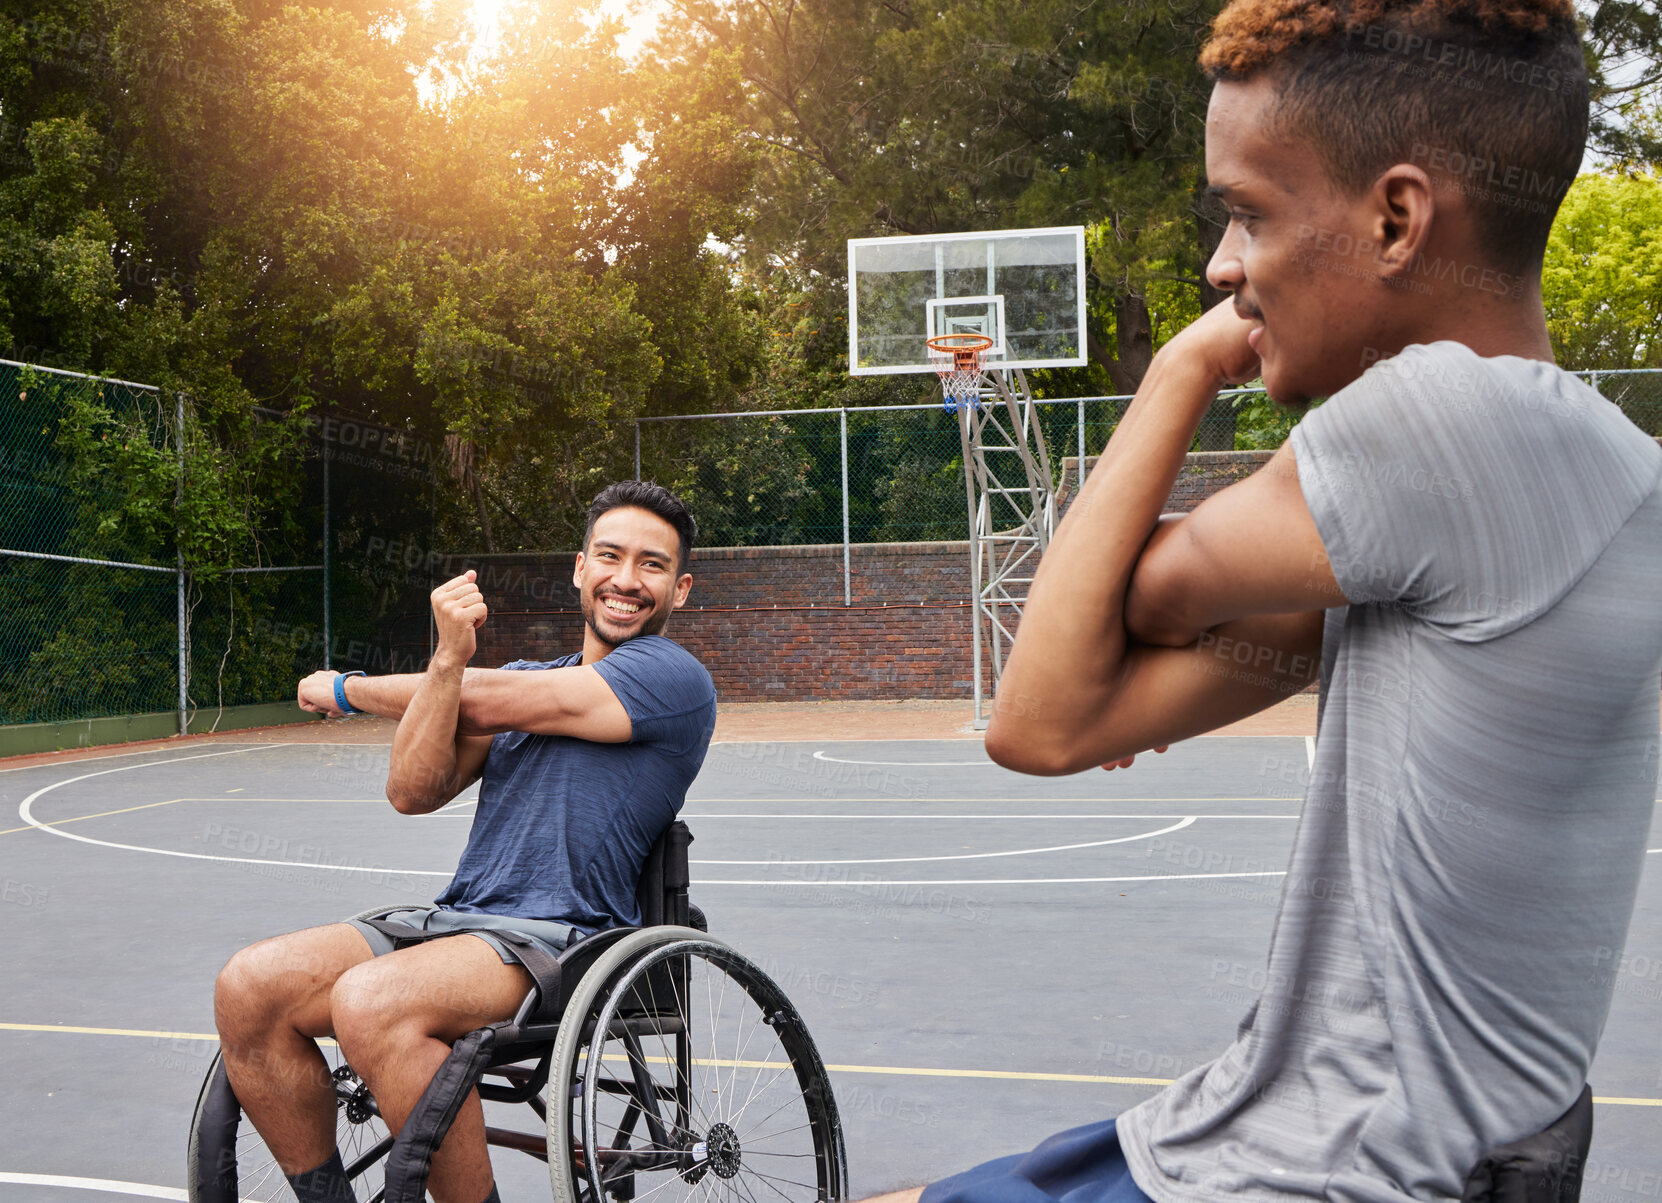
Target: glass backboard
(1024, 289)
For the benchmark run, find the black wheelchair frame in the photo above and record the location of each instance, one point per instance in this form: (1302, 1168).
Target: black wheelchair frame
(613, 999)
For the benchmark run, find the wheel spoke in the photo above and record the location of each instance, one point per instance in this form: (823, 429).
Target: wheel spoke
(777, 1075)
(768, 1181)
(753, 1095)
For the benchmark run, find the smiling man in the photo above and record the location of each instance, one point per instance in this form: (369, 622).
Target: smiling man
(582, 761)
(1464, 539)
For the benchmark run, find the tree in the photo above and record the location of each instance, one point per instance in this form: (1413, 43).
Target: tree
(876, 118)
(1602, 278)
(1623, 40)
(335, 207)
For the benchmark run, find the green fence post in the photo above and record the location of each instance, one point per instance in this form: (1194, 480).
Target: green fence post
(328, 642)
(179, 546)
(848, 584)
(1079, 469)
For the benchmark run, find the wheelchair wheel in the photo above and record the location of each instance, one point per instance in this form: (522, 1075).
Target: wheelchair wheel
(229, 1163)
(686, 1074)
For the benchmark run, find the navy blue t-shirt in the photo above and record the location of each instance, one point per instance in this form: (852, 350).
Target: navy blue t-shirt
(564, 825)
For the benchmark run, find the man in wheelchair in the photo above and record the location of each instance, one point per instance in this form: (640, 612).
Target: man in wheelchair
(582, 761)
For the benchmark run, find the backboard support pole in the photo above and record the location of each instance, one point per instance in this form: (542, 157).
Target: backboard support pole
(981, 308)
(1011, 502)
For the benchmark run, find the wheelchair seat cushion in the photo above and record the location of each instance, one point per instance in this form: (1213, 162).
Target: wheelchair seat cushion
(551, 937)
(1081, 1165)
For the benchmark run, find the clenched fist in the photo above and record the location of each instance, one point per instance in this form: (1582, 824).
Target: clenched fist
(317, 693)
(458, 611)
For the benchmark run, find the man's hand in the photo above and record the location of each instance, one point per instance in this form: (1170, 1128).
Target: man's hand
(1221, 339)
(1125, 762)
(317, 694)
(458, 611)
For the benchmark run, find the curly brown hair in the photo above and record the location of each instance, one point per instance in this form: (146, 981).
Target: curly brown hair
(1489, 96)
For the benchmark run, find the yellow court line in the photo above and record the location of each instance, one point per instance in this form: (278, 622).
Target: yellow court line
(100, 815)
(908, 1071)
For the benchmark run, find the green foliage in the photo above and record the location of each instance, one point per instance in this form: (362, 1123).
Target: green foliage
(1602, 279)
(262, 205)
(1623, 40)
(234, 506)
(1260, 423)
(887, 118)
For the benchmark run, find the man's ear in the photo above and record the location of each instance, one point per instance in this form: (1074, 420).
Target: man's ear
(577, 571)
(683, 586)
(1404, 208)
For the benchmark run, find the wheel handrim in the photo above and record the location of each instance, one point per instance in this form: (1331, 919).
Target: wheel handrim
(751, 1122)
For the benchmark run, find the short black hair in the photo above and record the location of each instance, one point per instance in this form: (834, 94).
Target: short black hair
(654, 498)
(1489, 96)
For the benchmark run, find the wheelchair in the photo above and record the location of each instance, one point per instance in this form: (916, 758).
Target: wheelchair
(656, 1060)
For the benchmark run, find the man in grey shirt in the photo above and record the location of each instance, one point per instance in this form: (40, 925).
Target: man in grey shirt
(1464, 537)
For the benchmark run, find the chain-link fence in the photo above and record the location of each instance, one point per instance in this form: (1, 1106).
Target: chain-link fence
(110, 612)
(896, 474)
(159, 571)
(92, 606)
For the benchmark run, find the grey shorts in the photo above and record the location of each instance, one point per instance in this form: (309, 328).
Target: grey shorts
(550, 936)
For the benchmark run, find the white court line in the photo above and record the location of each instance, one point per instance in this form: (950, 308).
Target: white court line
(107, 1185)
(1021, 817)
(48, 764)
(1050, 801)
(899, 860)
(912, 764)
(866, 882)
(25, 811)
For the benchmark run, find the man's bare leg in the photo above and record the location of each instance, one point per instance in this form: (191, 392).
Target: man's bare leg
(395, 1018)
(898, 1196)
(270, 1000)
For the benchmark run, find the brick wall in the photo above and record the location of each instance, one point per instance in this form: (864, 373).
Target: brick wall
(769, 622)
(1203, 473)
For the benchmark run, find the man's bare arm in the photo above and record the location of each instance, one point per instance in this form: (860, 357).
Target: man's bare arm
(1078, 689)
(574, 701)
(431, 762)
(1252, 548)
(387, 696)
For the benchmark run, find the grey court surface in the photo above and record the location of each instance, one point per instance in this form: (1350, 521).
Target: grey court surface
(983, 958)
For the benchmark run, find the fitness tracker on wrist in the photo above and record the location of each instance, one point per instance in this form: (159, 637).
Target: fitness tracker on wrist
(346, 708)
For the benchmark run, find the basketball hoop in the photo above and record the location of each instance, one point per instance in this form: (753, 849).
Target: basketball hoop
(957, 360)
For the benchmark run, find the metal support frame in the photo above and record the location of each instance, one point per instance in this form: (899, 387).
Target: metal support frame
(848, 580)
(328, 539)
(1011, 498)
(183, 615)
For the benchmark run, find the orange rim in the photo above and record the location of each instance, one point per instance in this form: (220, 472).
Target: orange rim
(947, 344)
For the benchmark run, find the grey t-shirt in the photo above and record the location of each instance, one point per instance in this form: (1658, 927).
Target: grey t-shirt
(1473, 833)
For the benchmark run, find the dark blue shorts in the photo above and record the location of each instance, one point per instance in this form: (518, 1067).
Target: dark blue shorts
(1081, 1165)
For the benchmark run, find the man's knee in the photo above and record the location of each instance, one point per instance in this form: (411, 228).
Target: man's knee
(252, 990)
(374, 1003)
(439, 991)
(282, 979)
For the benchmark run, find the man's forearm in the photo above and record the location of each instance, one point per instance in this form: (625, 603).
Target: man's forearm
(1073, 638)
(422, 769)
(387, 696)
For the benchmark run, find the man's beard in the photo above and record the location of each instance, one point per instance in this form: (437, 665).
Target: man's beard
(652, 626)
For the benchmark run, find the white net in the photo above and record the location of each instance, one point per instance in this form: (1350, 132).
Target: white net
(959, 368)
